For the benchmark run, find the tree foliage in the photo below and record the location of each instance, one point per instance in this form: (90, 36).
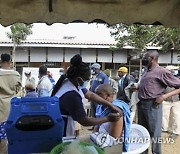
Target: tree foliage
(167, 38)
(19, 32)
(142, 36)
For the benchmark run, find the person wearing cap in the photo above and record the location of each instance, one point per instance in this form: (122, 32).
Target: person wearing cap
(171, 110)
(99, 78)
(10, 85)
(151, 89)
(123, 82)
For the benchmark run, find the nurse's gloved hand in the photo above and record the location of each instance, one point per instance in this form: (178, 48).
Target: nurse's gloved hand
(113, 117)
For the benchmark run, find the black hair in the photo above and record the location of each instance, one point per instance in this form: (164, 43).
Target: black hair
(77, 68)
(43, 70)
(5, 57)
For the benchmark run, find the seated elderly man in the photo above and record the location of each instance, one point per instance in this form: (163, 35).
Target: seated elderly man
(120, 128)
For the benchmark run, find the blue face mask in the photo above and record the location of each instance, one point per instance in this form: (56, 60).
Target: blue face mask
(84, 85)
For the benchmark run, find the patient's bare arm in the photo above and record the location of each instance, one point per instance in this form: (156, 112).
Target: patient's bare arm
(116, 128)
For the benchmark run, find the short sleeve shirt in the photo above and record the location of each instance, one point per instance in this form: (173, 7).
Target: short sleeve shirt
(71, 104)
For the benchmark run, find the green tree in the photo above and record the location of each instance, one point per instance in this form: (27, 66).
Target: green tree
(167, 38)
(137, 36)
(142, 36)
(19, 33)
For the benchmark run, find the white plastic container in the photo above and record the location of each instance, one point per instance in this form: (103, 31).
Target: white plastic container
(139, 139)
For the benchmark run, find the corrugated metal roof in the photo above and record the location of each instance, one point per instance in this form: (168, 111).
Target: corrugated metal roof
(60, 43)
(66, 43)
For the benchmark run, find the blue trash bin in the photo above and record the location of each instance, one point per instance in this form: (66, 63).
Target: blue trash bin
(34, 125)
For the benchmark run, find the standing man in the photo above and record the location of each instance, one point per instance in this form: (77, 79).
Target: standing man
(171, 110)
(123, 83)
(44, 87)
(10, 85)
(99, 78)
(151, 94)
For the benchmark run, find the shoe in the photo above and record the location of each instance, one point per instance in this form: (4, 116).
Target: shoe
(164, 131)
(91, 129)
(174, 136)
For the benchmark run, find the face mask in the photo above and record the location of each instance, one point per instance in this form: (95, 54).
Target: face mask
(120, 75)
(61, 73)
(84, 85)
(92, 72)
(175, 73)
(96, 71)
(145, 62)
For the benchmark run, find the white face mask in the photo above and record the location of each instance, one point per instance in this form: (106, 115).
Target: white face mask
(175, 73)
(61, 73)
(92, 72)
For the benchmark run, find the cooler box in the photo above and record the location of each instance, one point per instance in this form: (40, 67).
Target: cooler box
(34, 125)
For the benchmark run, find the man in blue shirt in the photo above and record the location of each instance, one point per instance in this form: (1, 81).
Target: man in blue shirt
(99, 78)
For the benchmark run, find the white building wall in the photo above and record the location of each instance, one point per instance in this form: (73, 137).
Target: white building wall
(164, 58)
(88, 55)
(5, 50)
(104, 55)
(120, 56)
(55, 55)
(70, 52)
(22, 55)
(176, 58)
(38, 55)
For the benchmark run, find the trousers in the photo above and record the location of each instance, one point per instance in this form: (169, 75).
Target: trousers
(150, 116)
(171, 117)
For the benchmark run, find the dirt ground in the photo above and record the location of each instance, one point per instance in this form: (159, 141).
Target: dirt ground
(171, 148)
